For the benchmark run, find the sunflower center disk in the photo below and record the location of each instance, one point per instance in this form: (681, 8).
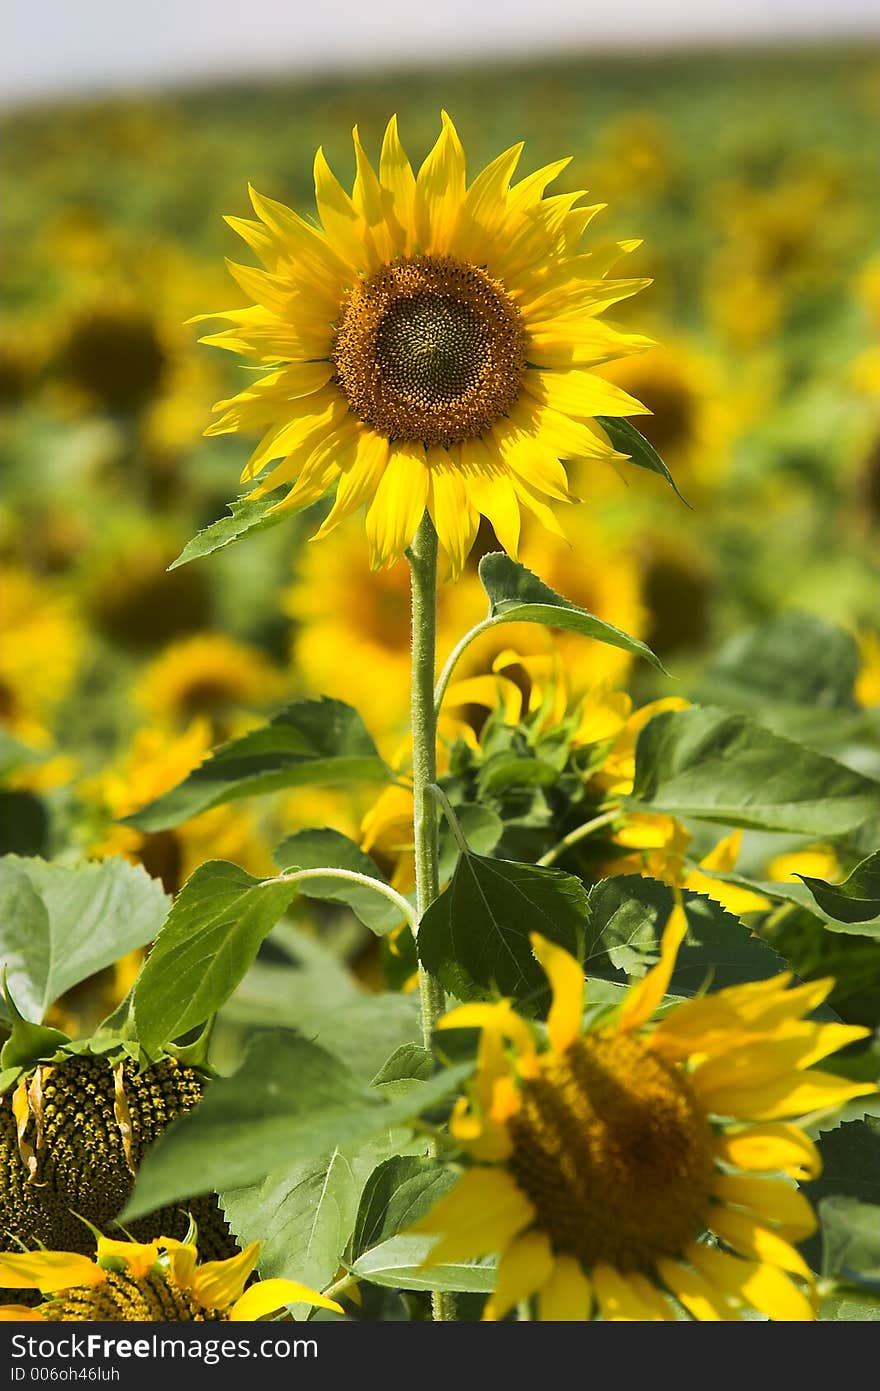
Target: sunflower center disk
(614, 1151)
(430, 349)
(123, 1299)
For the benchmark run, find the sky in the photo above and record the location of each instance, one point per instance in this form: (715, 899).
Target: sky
(68, 46)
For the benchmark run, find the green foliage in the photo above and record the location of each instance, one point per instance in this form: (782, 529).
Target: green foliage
(712, 765)
(290, 1102)
(246, 518)
(856, 900)
(397, 1194)
(60, 924)
(302, 1216)
(326, 848)
(851, 1242)
(628, 440)
(627, 915)
(210, 939)
(793, 666)
(475, 936)
(308, 742)
(518, 596)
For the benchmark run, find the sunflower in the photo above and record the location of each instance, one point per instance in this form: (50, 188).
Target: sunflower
(429, 345)
(640, 1168)
(206, 674)
(40, 655)
(73, 1132)
(160, 1281)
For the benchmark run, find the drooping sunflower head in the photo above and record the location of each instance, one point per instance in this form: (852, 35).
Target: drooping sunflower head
(643, 1168)
(72, 1135)
(430, 346)
(160, 1281)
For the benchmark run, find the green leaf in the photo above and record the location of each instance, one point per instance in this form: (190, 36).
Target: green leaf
(289, 1102)
(409, 1060)
(797, 661)
(27, 1043)
(309, 742)
(398, 1263)
(626, 439)
(397, 1193)
(797, 893)
(367, 1031)
(282, 993)
(627, 915)
(857, 899)
(851, 1241)
(302, 1216)
(475, 936)
(518, 596)
(60, 924)
(211, 937)
(850, 1156)
(316, 849)
(246, 516)
(717, 766)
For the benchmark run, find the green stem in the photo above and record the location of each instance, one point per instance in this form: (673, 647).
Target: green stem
(445, 805)
(422, 557)
(578, 834)
(452, 660)
(351, 876)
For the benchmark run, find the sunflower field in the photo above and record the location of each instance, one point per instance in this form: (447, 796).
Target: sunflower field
(440, 742)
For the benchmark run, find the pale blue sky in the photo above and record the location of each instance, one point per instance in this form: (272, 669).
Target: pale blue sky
(56, 46)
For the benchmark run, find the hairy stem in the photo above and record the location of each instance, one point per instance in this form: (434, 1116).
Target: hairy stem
(422, 557)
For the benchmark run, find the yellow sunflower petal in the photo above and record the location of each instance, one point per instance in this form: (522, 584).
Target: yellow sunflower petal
(771, 1149)
(567, 1297)
(794, 1046)
(182, 1264)
(622, 1298)
(343, 224)
(48, 1271)
(139, 1259)
(491, 491)
(701, 1298)
(791, 1094)
(580, 393)
(267, 1296)
(398, 504)
(455, 520)
(216, 1284)
(761, 1287)
(747, 1236)
(772, 1200)
(642, 999)
(482, 1213)
(440, 188)
(399, 184)
(566, 978)
(524, 1267)
(359, 481)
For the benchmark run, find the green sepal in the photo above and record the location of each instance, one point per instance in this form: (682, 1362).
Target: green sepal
(28, 1044)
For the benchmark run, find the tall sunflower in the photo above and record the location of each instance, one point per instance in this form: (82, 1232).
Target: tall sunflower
(641, 1168)
(429, 345)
